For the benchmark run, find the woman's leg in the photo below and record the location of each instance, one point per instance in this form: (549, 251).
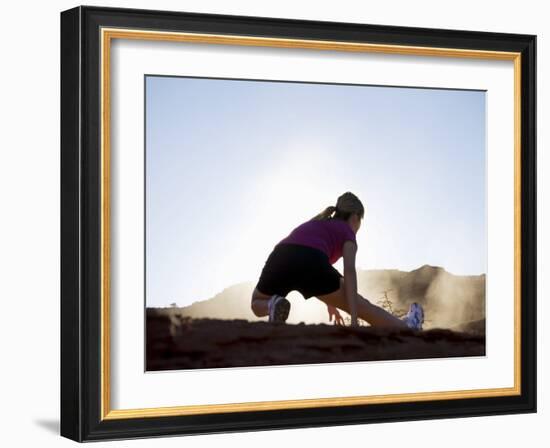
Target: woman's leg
(259, 303)
(374, 315)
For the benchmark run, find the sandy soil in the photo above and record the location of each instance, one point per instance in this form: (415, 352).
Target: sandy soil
(179, 342)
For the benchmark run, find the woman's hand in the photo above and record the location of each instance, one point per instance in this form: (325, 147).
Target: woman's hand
(333, 312)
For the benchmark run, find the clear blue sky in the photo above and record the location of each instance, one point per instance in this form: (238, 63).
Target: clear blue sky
(233, 165)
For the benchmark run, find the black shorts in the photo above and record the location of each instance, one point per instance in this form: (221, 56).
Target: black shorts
(293, 267)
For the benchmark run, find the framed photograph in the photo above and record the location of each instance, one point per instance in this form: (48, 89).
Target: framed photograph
(271, 223)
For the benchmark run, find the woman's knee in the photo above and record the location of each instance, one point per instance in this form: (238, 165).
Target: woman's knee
(255, 309)
(259, 303)
(253, 298)
(255, 306)
(257, 294)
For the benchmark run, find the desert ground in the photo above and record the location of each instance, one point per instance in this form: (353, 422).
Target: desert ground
(180, 342)
(223, 331)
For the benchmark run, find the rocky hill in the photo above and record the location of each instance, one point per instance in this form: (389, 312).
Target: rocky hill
(449, 300)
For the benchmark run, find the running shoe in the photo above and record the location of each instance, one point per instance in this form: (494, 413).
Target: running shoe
(279, 308)
(415, 317)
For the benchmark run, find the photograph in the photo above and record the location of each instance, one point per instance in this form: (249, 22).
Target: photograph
(275, 222)
(291, 222)
(272, 223)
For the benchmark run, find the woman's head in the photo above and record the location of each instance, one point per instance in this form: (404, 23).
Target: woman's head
(348, 208)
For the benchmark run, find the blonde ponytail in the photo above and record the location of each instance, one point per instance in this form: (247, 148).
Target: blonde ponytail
(325, 214)
(347, 204)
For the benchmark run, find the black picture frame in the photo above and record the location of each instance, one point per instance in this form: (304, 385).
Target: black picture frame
(81, 380)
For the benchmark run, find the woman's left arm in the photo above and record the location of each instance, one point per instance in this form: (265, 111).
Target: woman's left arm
(349, 251)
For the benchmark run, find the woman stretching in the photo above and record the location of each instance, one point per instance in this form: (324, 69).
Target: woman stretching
(303, 262)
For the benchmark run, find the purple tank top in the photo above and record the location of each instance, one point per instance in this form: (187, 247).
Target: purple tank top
(326, 235)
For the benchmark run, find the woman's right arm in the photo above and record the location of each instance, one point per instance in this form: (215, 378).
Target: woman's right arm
(349, 251)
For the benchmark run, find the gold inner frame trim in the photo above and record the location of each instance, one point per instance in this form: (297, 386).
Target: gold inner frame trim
(107, 34)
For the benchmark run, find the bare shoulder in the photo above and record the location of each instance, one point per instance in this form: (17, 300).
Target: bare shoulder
(349, 249)
(349, 245)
